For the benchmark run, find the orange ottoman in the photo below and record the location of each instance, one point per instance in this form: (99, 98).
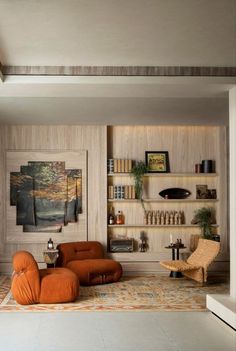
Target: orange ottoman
(31, 285)
(58, 285)
(86, 260)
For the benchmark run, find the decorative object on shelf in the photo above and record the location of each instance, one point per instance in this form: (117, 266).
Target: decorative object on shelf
(119, 165)
(157, 161)
(120, 218)
(138, 172)
(198, 168)
(175, 193)
(143, 246)
(207, 166)
(163, 217)
(211, 194)
(205, 217)
(111, 217)
(122, 245)
(202, 192)
(50, 245)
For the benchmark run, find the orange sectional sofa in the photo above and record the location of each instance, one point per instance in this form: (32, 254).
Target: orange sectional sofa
(86, 260)
(31, 285)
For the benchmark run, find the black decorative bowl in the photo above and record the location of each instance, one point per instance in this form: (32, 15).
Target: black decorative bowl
(175, 193)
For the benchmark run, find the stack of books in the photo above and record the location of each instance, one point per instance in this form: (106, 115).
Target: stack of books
(120, 192)
(115, 165)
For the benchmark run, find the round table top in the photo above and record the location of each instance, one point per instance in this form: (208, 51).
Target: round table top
(175, 247)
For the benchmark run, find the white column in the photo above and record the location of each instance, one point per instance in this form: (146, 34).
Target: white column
(232, 189)
(224, 306)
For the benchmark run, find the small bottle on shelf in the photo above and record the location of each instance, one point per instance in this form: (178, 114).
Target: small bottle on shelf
(111, 216)
(120, 218)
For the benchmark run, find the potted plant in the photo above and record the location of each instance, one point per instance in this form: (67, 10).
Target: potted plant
(205, 217)
(138, 172)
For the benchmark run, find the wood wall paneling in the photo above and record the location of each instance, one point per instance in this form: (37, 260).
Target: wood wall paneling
(91, 139)
(186, 146)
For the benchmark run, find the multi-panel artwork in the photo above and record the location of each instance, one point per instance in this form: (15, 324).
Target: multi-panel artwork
(47, 196)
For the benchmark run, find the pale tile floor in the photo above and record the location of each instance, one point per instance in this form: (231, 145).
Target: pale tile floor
(115, 331)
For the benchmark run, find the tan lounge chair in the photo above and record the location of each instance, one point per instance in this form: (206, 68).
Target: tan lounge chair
(197, 264)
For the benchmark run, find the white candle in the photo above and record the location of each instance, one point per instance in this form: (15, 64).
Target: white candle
(171, 239)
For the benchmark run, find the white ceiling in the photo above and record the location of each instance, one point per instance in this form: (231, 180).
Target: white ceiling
(116, 32)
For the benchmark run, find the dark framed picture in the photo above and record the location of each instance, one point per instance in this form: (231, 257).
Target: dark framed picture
(201, 191)
(157, 161)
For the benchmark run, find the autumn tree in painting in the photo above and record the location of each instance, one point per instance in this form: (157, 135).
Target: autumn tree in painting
(46, 195)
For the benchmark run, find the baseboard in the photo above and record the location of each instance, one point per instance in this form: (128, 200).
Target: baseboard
(132, 268)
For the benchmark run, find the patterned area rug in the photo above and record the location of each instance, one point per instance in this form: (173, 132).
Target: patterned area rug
(148, 293)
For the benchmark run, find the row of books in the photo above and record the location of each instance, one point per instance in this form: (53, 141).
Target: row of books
(121, 192)
(118, 165)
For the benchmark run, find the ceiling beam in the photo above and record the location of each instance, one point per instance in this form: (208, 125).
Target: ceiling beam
(151, 71)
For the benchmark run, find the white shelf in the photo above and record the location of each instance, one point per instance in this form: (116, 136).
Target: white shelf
(164, 200)
(198, 175)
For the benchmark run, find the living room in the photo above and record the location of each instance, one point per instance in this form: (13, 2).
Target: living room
(87, 96)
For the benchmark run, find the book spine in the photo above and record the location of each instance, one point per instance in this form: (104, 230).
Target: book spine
(119, 165)
(112, 191)
(115, 165)
(119, 192)
(130, 192)
(115, 192)
(122, 192)
(126, 192)
(130, 165)
(122, 165)
(133, 192)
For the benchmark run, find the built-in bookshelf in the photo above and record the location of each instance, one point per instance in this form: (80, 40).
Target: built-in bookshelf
(186, 146)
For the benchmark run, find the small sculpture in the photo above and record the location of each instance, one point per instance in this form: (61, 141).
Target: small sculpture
(162, 218)
(167, 218)
(145, 218)
(176, 218)
(171, 218)
(180, 217)
(143, 245)
(158, 218)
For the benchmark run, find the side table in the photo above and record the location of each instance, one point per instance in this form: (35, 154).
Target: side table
(175, 256)
(50, 257)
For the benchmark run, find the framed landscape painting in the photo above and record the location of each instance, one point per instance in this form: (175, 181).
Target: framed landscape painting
(157, 161)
